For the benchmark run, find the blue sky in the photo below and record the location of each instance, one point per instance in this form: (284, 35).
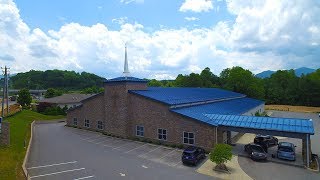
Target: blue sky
(165, 38)
(46, 14)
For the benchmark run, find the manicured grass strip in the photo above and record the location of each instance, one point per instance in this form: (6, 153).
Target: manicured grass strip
(11, 158)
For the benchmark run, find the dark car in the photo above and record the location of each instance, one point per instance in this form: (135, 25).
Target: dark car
(265, 140)
(286, 151)
(192, 155)
(255, 151)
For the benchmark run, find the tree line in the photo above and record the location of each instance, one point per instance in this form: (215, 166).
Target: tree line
(282, 87)
(57, 79)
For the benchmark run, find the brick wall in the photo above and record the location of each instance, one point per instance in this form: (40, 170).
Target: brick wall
(116, 106)
(92, 109)
(5, 134)
(153, 115)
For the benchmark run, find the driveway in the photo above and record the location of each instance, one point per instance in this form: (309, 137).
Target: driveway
(315, 139)
(60, 152)
(272, 170)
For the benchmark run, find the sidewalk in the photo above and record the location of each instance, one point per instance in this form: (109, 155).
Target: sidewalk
(235, 170)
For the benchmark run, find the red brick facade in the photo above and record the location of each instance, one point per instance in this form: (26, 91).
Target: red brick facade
(121, 112)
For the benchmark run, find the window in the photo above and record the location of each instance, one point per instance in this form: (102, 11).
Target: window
(75, 121)
(188, 138)
(86, 123)
(100, 125)
(139, 130)
(162, 134)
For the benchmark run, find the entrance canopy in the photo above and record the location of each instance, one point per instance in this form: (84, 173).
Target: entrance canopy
(288, 127)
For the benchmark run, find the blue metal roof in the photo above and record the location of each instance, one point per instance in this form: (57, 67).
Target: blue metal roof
(125, 79)
(265, 123)
(228, 113)
(233, 106)
(175, 96)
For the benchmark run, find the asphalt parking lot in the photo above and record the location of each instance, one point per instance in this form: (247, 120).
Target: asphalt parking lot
(60, 152)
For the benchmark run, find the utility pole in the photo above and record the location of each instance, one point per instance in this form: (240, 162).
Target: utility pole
(5, 89)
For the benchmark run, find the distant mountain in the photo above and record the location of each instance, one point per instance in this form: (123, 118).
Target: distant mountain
(303, 70)
(298, 72)
(265, 74)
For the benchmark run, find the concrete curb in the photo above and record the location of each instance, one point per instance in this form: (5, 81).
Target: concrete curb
(26, 157)
(277, 162)
(50, 122)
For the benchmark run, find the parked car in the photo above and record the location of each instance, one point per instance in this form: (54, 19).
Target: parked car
(255, 151)
(265, 140)
(192, 155)
(286, 150)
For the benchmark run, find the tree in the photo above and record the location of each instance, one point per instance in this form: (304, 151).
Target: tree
(58, 79)
(209, 79)
(242, 81)
(52, 93)
(92, 90)
(220, 154)
(282, 88)
(155, 83)
(24, 98)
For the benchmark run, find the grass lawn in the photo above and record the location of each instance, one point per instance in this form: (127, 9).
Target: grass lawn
(11, 158)
(305, 109)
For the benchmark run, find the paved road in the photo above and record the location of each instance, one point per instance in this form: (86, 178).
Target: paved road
(60, 152)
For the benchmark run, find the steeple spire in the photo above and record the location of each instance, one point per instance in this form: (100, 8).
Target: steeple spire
(126, 72)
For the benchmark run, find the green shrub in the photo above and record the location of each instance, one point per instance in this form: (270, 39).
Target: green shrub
(173, 146)
(180, 146)
(221, 153)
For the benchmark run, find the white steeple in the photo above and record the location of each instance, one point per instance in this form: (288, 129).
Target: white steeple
(126, 72)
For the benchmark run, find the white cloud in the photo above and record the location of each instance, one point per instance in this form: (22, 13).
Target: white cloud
(276, 26)
(196, 6)
(130, 1)
(191, 18)
(120, 20)
(274, 35)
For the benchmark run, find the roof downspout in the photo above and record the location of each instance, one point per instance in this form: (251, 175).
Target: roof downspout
(216, 134)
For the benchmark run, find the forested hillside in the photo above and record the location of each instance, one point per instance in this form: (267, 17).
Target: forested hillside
(65, 80)
(282, 87)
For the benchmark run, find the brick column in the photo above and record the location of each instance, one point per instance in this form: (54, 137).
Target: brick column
(5, 134)
(220, 136)
(229, 137)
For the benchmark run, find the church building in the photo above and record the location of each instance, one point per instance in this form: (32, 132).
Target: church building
(180, 116)
(129, 108)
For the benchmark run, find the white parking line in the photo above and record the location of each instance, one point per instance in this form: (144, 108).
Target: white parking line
(167, 154)
(136, 148)
(96, 139)
(49, 174)
(105, 140)
(123, 145)
(149, 151)
(87, 177)
(107, 145)
(42, 166)
(92, 137)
